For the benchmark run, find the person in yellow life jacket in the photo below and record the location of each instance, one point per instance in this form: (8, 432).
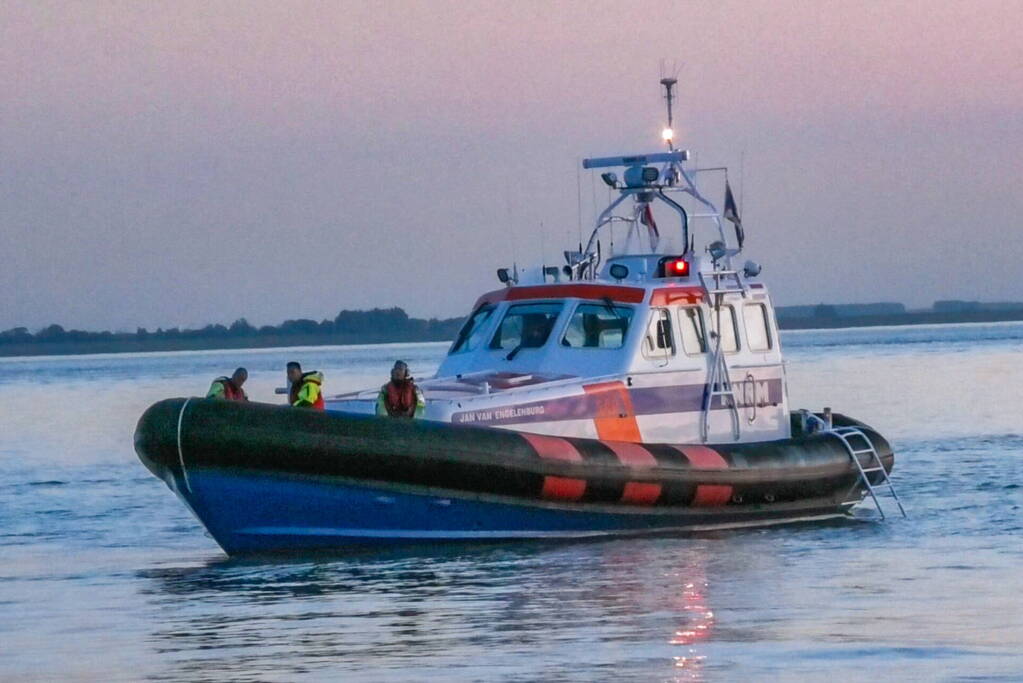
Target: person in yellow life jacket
(400, 397)
(306, 387)
(230, 388)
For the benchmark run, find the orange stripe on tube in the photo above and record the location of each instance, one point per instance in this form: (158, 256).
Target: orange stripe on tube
(638, 493)
(704, 458)
(616, 418)
(563, 488)
(556, 448)
(552, 447)
(712, 494)
(701, 457)
(634, 455)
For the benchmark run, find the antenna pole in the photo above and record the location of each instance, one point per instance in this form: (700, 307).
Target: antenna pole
(742, 184)
(543, 250)
(579, 196)
(669, 96)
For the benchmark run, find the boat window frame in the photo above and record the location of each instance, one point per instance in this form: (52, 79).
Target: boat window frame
(762, 319)
(735, 328)
(457, 346)
(701, 332)
(600, 305)
(661, 353)
(519, 304)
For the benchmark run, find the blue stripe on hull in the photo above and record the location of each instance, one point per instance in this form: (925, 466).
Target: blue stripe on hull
(252, 512)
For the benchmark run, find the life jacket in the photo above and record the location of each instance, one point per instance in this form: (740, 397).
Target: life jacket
(231, 392)
(313, 377)
(401, 398)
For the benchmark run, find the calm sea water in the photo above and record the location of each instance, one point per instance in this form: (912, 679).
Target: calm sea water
(105, 576)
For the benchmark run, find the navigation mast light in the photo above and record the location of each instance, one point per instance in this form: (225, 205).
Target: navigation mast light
(678, 267)
(667, 134)
(674, 267)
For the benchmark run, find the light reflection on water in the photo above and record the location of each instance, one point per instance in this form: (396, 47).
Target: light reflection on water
(502, 602)
(104, 575)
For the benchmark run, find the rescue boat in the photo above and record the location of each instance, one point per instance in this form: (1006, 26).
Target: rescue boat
(637, 388)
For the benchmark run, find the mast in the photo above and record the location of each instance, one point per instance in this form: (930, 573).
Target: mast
(648, 179)
(669, 133)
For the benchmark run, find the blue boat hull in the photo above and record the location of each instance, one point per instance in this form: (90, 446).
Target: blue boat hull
(252, 512)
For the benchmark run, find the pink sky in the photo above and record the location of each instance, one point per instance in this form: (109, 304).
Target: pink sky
(183, 163)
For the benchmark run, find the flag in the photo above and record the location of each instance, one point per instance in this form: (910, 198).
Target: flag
(647, 219)
(731, 213)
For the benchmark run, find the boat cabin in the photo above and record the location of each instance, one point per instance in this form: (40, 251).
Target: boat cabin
(623, 358)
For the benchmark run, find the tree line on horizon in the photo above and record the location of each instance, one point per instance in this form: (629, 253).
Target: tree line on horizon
(394, 324)
(378, 324)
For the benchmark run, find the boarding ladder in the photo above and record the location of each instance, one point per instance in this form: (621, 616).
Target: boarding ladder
(719, 383)
(848, 435)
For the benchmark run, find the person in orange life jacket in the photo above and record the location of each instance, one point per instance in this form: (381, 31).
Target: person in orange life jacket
(400, 397)
(306, 388)
(230, 388)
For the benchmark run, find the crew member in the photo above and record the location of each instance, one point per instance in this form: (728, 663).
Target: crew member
(230, 388)
(400, 397)
(306, 387)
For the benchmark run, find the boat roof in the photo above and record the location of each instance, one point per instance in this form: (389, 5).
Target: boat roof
(654, 293)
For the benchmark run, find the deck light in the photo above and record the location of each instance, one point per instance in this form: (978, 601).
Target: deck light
(610, 179)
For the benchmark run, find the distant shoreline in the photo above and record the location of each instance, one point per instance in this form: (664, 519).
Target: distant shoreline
(908, 318)
(157, 345)
(67, 348)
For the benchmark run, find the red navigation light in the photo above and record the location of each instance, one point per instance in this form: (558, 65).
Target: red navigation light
(676, 267)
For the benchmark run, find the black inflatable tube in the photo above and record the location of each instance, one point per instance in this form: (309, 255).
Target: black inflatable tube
(294, 442)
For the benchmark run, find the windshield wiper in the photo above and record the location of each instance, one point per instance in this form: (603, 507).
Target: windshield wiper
(515, 351)
(610, 305)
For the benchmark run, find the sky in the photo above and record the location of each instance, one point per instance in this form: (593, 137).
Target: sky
(182, 163)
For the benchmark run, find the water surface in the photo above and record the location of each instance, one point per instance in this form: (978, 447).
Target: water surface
(105, 576)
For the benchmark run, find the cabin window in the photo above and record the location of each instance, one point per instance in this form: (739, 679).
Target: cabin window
(471, 334)
(729, 339)
(598, 326)
(659, 342)
(526, 326)
(692, 331)
(758, 333)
